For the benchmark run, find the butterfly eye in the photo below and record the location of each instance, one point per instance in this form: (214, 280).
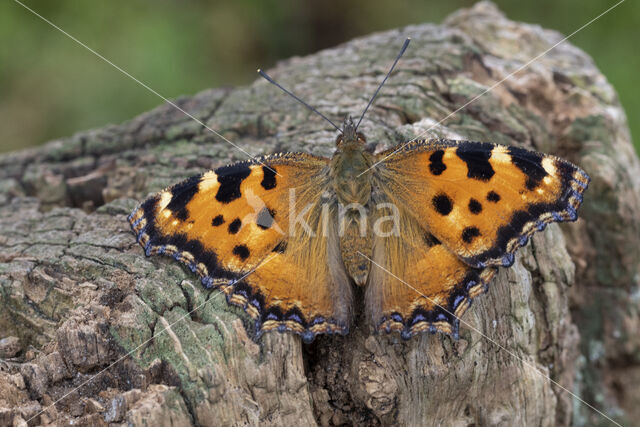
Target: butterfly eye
(361, 138)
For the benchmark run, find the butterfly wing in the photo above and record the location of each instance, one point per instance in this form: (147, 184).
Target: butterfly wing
(482, 201)
(476, 203)
(231, 226)
(415, 283)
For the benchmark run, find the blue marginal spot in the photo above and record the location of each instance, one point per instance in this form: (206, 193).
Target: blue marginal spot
(457, 301)
(523, 240)
(318, 320)
(282, 327)
(147, 249)
(471, 284)
(308, 337)
(580, 183)
(135, 224)
(577, 196)
(405, 334)
(572, 213)
(540, 225)
(254, 302)
(556, 216)
(507, 260)
(272, 316)
(396, 317)
(418, 318)
(432, 329)
(240, 292)
(207, 282)
(295, 318)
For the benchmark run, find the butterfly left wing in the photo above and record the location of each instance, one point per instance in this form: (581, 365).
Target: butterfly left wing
(231, 226)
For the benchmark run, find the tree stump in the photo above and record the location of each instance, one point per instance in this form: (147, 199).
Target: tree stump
(95, 333)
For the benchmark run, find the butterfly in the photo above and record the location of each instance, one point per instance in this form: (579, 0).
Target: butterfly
(422, 228)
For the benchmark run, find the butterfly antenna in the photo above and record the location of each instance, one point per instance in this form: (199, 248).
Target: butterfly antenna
(404, 47)
(270, 80)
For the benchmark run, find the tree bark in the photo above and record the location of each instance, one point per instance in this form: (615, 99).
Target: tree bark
(96, 333)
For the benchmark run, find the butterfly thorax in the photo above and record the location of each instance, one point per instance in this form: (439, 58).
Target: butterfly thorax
(351, 177)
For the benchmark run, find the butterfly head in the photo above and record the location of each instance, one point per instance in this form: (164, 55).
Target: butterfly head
(350, 134)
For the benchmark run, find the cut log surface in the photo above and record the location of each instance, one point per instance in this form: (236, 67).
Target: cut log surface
(95, 333)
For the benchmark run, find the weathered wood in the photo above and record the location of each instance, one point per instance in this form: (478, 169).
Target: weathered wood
(80, 295)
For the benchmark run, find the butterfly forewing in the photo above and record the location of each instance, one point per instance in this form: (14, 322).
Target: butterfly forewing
(482, 201)
(232, 227)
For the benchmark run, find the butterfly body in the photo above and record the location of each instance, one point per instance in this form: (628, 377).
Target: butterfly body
(352, 184)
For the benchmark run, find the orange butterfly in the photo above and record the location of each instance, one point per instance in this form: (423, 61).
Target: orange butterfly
(287, 236)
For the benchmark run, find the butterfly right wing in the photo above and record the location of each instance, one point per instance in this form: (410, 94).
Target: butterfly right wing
(477, 203)
(482, 201)
(232, 227)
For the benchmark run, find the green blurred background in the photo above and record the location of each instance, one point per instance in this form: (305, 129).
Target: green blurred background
(51, 87)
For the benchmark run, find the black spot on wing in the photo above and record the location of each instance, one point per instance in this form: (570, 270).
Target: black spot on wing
(476, 155)
(492, 196)
(269, 178)
(431, 240)
(475, 207)
(530, 163)
(217, 221)
(235, 225)
(280, 247)
(241, 251)
(181, 195)
(265, 218)
(436, 166)
(442, 204)
(230, 177)
(470, 233)
(149, 206)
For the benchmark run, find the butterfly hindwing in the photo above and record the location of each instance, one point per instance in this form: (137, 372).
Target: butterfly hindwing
(231, 226)
(416, 284)
(482, 201)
